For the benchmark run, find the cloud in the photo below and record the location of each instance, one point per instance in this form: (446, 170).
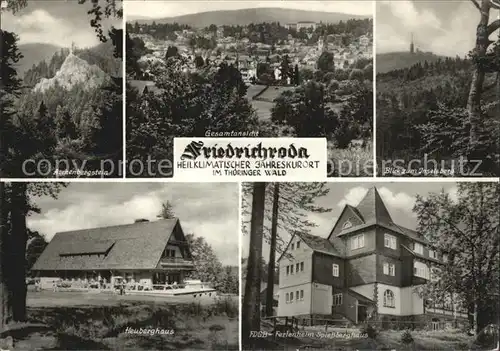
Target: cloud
(399, 200)
(353, 197)
(207, 210)
(413, 19)
(39, 26)
(444, 28)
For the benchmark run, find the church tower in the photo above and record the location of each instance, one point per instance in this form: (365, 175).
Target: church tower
(323, 42)
(412, 45)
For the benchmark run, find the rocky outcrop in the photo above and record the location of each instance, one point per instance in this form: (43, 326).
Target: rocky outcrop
(74, 71)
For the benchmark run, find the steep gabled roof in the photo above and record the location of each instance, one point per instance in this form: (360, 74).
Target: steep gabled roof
(319, 244)
(372, 208)
(316, 243)
(131, 246)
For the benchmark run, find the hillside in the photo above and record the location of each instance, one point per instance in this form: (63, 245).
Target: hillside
(33, 54)
(391, 61)
(247, 16)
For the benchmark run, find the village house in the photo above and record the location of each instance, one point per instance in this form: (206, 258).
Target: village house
(145, 253)
(367, 264)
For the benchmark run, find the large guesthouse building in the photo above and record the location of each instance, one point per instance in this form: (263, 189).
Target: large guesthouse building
(368, 267)
(145, 253)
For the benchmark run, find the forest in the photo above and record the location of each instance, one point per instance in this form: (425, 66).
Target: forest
(70, 119)
(447, 109)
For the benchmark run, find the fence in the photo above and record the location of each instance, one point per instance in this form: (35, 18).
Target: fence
(290, 324)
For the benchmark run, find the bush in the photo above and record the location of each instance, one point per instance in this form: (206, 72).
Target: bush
(370, 331)
(406, 337)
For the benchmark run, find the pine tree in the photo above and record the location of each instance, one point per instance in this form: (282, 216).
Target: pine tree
(296, 75)
(167, 211)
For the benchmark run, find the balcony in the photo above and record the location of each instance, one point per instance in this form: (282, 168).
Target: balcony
(176, 262)
(446, 312)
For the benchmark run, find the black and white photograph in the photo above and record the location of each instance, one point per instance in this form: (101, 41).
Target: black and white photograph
(249, 69)
(438, 88)
(119, 266)
(370, 266)
(62, 89)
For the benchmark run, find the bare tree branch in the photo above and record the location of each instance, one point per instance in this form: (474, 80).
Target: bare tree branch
(476, 4)
(493, 26)
(495, 4)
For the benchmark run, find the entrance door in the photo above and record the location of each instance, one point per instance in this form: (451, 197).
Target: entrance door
(174, 278)
(362, 313)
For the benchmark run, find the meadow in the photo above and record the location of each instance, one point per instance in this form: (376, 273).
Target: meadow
(84, 321)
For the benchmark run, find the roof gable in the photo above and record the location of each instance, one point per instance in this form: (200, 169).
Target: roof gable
(349, 213)
(137, 246)
(373, 209)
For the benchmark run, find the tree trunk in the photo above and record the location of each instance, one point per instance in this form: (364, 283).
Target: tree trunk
(478, 76)
(4, 297)
(475, 324)
(19, 239)
(272, 252)
(251, 301)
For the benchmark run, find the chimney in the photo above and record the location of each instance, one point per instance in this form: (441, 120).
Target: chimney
(141, 220)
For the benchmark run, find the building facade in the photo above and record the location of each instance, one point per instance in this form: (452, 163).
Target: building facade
(368, 267)
(145, 253)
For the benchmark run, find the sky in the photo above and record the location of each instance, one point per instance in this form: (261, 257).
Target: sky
(209, 210)
(57, 22)
(398, 197)
(442, 27)
(161, 9)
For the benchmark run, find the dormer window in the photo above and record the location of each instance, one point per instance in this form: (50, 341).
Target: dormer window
(418, 248)
(347, 225)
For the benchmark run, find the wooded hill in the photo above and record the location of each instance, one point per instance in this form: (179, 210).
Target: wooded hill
(422, 109)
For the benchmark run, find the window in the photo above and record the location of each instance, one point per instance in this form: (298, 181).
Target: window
(291, 269)
(297, 296)
(337, 299)
(390, 241)
(287, 297)
(358, 241)
(293, 246)
(389, 299)
(347, 225)
(421, 270)
(297, 267)
(301, 266)
(287, 270)
(389, 269)
(392, 269)
(432, 254)
(418, 248)
(291, 296)
(335, 270)
(302, 294)
(298, 244)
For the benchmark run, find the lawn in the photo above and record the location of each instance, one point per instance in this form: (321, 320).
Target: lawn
(343, 339)
(273, 92)
(85, 321)
(263, 109)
